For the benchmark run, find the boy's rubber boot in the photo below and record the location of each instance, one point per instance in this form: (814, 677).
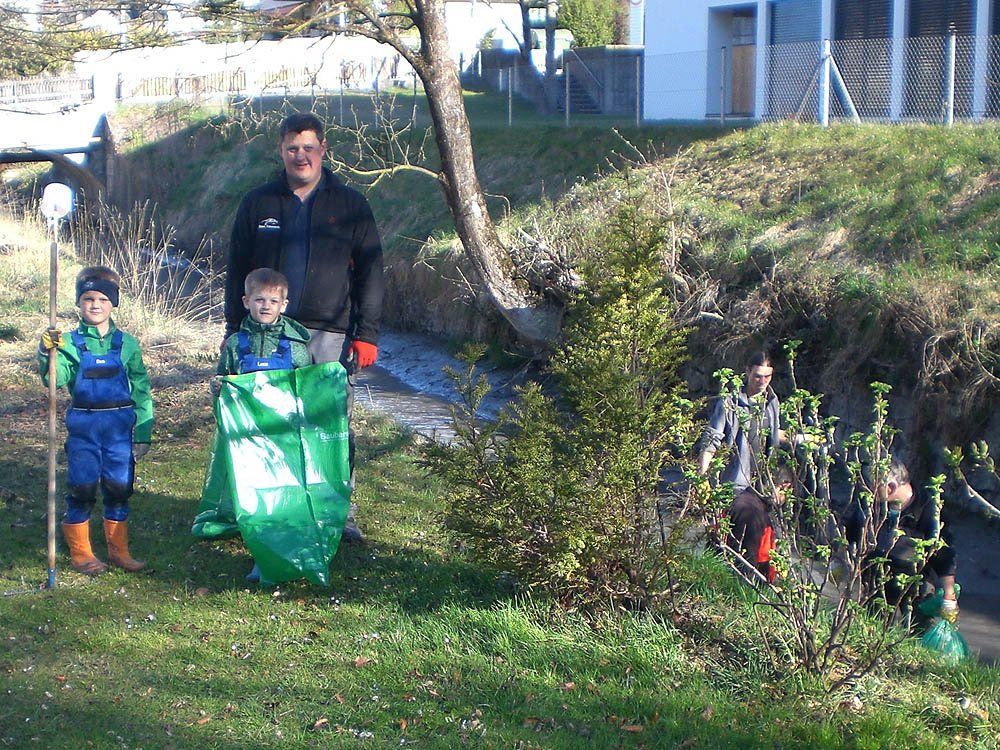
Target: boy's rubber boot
(116, 532)
(81, 556)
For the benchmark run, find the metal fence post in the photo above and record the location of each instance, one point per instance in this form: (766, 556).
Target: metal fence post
(638, 90)
(722, 87)
(566, 76)
(824, 86)
(949, 81)
(510, 96)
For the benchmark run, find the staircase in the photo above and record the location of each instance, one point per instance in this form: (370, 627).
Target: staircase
(580, 102)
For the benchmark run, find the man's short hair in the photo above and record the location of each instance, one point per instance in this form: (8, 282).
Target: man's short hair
(898, 473)
(300, 122)
(265, 278)
(759, 358)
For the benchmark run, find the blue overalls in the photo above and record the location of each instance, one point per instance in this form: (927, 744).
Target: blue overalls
(279, 359)
(99, 446)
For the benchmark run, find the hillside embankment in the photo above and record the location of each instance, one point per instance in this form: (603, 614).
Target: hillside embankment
(874, 246)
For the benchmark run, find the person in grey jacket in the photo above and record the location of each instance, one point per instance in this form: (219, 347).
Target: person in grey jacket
(748, 424)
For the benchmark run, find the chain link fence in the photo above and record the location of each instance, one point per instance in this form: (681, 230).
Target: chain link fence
(918, 79)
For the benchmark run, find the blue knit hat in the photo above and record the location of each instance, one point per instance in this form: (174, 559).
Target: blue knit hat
(96, 284)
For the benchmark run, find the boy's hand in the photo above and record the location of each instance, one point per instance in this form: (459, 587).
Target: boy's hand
(139, 450)
(949, 610)
(364, 354)
(215, 385)
(51, 339)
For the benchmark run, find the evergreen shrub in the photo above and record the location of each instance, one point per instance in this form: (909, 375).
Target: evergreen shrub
(562, 491)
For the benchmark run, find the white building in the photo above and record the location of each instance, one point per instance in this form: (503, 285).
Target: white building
(760, 58)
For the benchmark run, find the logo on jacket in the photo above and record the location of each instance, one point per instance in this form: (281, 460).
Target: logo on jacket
(269, 223)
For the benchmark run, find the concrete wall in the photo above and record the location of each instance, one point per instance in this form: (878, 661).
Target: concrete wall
(611, 81)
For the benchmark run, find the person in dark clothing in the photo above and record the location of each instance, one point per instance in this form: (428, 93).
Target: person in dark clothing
(752, 530)
(322, 236)
(910, 516)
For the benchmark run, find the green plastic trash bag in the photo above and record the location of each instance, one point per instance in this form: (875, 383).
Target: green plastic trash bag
(216, 517)
(280, 474)
(943, 636)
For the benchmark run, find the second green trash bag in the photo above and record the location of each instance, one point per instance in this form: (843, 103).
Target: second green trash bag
(279, 474)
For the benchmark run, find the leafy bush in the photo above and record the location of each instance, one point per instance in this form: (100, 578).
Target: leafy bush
(826, 610)
(562, 490)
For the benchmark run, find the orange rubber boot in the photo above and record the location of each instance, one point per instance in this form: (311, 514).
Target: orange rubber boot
(116, 532)
(81, 556)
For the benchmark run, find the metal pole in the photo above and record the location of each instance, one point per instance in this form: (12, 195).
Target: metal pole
(566, 76)
(824, 86)
(341, 120)
(949, 81)
(638, 90)
(510, 97)
(51, 514)
(722, 87)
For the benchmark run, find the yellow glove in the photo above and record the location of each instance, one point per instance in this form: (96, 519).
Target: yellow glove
(949, 610)
(51, 339)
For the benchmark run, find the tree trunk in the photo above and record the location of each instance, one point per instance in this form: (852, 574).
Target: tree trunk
(535, 323)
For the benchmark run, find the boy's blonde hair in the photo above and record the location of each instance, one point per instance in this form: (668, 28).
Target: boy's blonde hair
(265, 278)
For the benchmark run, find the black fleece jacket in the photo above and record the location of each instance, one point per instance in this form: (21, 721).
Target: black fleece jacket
(343, 282)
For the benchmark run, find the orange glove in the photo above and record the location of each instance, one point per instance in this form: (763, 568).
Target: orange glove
(363, 353)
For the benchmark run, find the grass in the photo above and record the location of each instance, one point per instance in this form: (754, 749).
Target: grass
(411, 645)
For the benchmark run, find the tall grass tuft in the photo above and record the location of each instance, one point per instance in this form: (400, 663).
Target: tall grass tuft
(168, 292)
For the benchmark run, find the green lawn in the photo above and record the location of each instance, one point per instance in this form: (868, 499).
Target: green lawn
(412, 643)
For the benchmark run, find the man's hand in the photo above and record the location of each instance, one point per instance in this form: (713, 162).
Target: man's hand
(139, 450)
(51, 339)
(364, 354)
(215, 385)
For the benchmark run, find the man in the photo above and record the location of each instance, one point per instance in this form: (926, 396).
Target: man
(747, 423)
(910, 516)
(322, 236)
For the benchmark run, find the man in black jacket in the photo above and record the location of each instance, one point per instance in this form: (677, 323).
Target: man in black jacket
(322, 236)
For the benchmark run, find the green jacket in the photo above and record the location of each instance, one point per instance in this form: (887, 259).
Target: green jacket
(68, 366)
(263, 341)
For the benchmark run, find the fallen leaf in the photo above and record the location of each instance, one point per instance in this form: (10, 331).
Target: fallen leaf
(339, 698)
(568, 686)
(202, 591)
(321, 723)
(204, 720)
(708, 712)
(632, 727)
(362, 661)
(402, 725)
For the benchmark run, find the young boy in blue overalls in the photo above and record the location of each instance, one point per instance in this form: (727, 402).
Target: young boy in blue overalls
(267, 340)
(109, 421)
